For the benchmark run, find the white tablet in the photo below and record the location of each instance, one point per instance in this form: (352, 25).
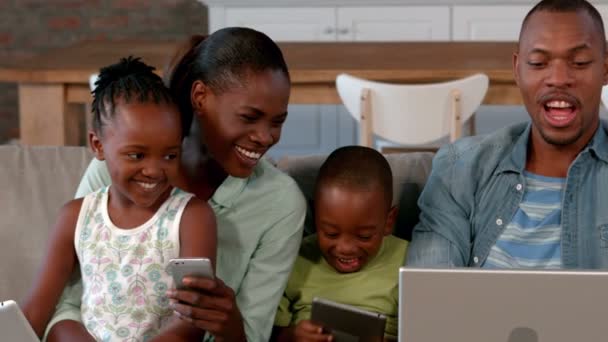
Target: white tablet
(13, 324)
(348, 323)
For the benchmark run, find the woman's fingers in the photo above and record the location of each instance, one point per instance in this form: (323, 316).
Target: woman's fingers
(199, 283)
(212, 327)
(212, 321)
(209, 305)
(200, 300)
(192, 313)
(214, 286)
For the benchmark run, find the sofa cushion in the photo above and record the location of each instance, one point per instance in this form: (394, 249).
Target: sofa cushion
(410, 171)
(34, 183)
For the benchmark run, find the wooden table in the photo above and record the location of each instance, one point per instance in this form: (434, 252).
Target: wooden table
(53, 87)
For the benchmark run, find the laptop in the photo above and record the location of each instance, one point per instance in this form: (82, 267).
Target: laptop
(13, 324)
(502, 305)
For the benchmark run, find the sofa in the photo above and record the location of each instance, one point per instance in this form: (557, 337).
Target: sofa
(36, 181)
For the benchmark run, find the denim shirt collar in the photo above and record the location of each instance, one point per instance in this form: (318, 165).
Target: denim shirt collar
(599, 143)
(516, 161)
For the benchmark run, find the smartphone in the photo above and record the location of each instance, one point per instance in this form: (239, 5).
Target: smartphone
(196, 267)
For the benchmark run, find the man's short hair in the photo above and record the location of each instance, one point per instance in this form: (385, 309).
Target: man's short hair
(357, 168)
(561, 6)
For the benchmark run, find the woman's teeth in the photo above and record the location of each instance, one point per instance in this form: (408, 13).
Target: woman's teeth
(249, 154)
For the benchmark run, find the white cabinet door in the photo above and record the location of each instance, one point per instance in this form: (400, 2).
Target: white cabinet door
(495, 23)
(603, 9)
(490, 23)
(404, 23)
(309, 129)
(286, 23)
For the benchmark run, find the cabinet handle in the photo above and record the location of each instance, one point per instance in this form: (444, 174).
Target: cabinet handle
(328, 30)
(343, 30)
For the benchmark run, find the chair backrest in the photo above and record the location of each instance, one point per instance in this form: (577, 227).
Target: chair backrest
(410, 172)
(92, 80)
(36, 181)
(412, 114)
(605, 96)
(89, 117)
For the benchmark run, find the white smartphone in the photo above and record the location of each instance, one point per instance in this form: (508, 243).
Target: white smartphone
(196, 267)
(13, 324)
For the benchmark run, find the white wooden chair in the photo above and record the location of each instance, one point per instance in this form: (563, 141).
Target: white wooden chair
(605, 97)
(411, 114)
(88, 107)
(92, 80)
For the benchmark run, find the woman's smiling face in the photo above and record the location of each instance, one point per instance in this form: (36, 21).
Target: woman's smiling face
(240, 124)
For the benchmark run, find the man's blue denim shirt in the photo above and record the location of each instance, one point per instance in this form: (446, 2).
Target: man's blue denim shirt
(475, 188)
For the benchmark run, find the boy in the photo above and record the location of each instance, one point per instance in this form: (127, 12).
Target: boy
(353, 258)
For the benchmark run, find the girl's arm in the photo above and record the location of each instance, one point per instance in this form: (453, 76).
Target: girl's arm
(57, 266)
(66, 321)
(198, 238)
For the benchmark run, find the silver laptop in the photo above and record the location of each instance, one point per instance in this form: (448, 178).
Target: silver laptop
(13, 324)
(502, 306)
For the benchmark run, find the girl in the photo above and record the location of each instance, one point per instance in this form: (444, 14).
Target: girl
(122, 236)
(232, 89)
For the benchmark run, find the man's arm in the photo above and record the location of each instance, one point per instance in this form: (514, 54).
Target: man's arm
(442, 238)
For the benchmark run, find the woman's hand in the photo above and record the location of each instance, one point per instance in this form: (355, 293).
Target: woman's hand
(308, 331)
(209, 305)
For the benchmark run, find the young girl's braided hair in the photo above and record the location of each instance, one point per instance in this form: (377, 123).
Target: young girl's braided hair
(128, 80)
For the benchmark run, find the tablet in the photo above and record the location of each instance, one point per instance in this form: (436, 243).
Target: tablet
(13, 324)
(348, 323)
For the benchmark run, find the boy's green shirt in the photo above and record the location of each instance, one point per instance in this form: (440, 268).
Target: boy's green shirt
(374, 287)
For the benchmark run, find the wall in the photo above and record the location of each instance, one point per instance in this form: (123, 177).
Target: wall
(313, 3)
(28, 27)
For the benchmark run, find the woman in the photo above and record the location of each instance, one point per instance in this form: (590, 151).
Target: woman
(235, 84)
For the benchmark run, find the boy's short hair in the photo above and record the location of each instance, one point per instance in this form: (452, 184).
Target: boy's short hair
(357, 168)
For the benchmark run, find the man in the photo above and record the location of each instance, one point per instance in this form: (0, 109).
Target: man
(531, 195)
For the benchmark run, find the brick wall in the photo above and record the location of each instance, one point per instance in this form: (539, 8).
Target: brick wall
(28, 27)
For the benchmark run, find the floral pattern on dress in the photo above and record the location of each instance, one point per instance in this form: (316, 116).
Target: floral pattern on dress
(124, 271)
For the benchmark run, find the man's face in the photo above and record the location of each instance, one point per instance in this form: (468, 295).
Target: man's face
(560, 69)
